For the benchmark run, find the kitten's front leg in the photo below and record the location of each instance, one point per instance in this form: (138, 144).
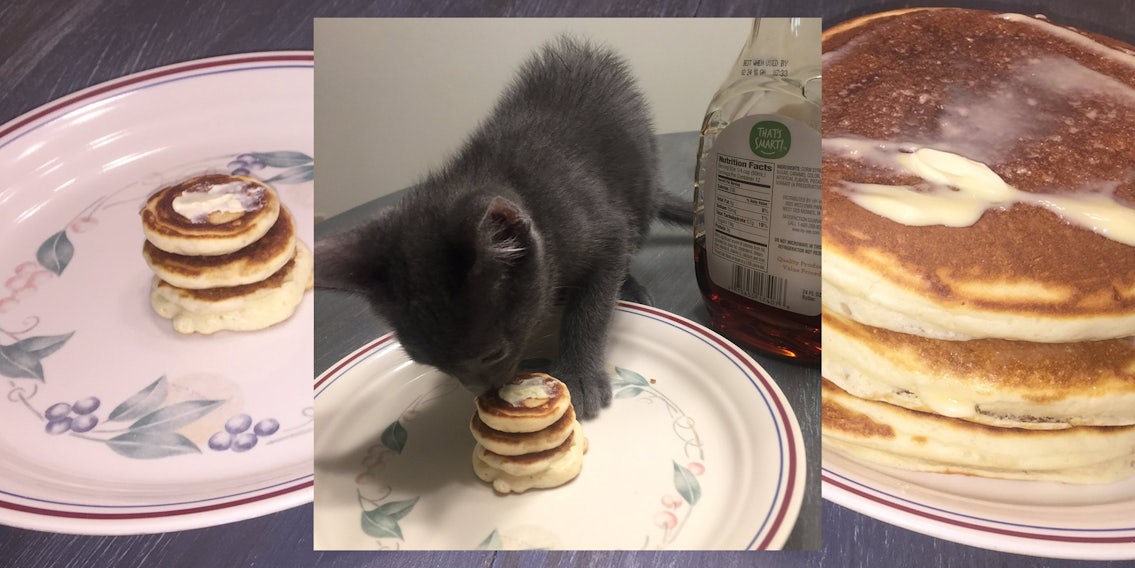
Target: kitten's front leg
(583, 343)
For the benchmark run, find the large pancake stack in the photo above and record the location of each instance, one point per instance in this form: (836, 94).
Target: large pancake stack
(979, 246)
(225, 255)
(527, 435)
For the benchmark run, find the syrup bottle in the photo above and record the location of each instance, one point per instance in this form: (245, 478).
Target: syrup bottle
(757, 194)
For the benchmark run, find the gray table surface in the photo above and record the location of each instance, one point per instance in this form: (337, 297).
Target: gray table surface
(50, 48)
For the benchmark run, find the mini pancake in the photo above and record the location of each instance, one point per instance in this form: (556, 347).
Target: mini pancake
(564, 467)
(989, 381)
(210, 233)
(250, 264)
(996, 115)
(540, 401)
(529, 463)
(519, 443)
(889, 435)
(238, 308)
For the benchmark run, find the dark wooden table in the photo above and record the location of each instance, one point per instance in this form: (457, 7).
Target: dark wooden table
(50, 48)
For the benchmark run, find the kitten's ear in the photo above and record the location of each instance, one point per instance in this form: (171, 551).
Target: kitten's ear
(505, 231)
(342, 262)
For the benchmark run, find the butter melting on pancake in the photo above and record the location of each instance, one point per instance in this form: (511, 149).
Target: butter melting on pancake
(240, 212)
(1048, 112)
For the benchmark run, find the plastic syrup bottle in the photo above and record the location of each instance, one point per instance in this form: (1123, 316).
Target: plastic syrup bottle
(757, 194)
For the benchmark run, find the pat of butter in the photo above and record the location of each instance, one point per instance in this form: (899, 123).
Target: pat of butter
(964, 189)
(516, 393)
(232, 197)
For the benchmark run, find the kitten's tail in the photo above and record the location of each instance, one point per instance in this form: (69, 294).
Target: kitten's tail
(674, 209)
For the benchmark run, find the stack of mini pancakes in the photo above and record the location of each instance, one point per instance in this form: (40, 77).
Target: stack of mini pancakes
(225, 255)
(527, 435)
(979, 246)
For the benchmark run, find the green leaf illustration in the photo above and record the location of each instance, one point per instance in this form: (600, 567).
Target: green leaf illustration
(152, 444)
(628, 392)
(175, 416)
(44, 345)
(491, 542)
(17, 363)
(21, 360)
(394, 437)
(142, 403)
(398, 509)
(56, 252)
(298, 174)
(283, 159)
(382, 522)
(686, 484)
(628, 377)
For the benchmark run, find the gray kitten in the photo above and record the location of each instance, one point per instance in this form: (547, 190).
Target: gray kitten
(543, 207)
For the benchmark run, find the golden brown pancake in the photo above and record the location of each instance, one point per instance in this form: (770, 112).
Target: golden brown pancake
(237, 308)
(979, 246)
(528, 463)
(548, 400)
(890, 435)
(1049, 111)
(211, 234)
(518, 443)
(990, 381)
(544, 471)
(250, 264)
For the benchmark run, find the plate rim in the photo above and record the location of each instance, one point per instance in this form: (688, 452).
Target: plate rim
(849, 490)
(790, 497)
(213, 511)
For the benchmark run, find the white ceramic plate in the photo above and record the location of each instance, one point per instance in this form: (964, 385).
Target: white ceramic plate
(76, 326)
(699, 450)
(1091, 522)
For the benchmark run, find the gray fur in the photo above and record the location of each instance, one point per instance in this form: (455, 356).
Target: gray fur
(546, 203)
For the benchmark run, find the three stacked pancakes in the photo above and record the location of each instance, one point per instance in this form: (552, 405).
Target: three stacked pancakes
(225, 255)
(979, 246)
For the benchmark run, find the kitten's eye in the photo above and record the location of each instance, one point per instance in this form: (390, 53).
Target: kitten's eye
(493, 356)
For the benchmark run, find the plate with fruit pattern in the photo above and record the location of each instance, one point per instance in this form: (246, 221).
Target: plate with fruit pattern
(112, 422)
(698, 450)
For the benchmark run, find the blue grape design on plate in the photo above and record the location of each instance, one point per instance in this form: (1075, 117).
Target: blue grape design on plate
(78, 417)
(238, 437)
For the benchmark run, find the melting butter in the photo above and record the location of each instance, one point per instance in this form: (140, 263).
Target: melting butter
(962, 190)
(516, 393)
(233, 197)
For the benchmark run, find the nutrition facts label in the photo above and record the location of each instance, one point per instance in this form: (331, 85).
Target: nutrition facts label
(743, 211)
(762, 211)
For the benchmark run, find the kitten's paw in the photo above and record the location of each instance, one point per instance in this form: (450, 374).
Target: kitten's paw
(590, 392)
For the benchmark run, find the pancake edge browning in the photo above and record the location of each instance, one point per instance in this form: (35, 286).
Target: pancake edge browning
(871, 285)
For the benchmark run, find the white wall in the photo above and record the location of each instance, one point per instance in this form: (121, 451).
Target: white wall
(395, 97)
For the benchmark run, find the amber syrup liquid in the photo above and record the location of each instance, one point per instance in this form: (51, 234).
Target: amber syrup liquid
(781, 333)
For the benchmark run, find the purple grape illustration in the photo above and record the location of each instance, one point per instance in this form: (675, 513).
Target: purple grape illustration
(84, 423)
(79, 417)
(221, 441)
(266, 427)
(244, 442)
(238, 424)
(59, 426)
(57, 411)
(237, 435)
(86, 405)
